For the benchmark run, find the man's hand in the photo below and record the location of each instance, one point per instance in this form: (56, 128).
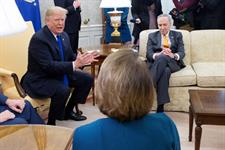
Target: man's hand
(138, 21)
(168, 52)
(6, 115)
(85, 59)
(16, 105)
(76, 4)
(157, 54)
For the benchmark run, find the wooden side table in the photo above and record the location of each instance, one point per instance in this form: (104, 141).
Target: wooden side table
(207, 107)
(40, 137)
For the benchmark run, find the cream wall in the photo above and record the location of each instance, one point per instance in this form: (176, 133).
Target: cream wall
(90, 34)
(90, 9)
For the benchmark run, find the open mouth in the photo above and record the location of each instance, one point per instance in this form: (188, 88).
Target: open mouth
(59, 28)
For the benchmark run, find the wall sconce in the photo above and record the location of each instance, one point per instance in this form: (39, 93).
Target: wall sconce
(115, 16)
(10, 18)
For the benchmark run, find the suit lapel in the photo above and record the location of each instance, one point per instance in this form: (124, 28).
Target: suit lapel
(53, 41)
(158, 38)
(172, 41)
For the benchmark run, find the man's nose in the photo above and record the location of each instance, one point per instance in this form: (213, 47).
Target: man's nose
(61, 22)
(163, 27)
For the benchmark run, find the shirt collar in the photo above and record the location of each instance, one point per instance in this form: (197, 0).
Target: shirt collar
(55, 35)
(166, 34)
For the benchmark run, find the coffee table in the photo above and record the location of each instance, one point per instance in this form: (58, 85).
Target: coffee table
(207, 107)
(40, 137)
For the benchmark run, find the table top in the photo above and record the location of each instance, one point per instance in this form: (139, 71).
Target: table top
(36, 137)
(208, 102)
(106, 49)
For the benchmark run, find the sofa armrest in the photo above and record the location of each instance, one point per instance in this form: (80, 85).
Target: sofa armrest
(6, 76)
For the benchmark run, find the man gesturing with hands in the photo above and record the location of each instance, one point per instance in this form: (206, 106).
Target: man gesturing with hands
(53, 68)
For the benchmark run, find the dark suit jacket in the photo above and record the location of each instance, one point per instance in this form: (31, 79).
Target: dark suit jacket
(139, 9)
(45, 66)
(73, 20)
(154, 45)
(211, 16)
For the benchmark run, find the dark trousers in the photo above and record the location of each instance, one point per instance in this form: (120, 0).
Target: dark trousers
(81, 82)
(28, 116)
(74, 41)
(161, 70)
(82, 85)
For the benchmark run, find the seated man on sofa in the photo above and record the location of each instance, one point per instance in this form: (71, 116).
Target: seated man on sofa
(165, 51)
(17, 111)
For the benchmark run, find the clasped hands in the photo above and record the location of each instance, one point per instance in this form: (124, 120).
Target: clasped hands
(16, 105)
(85, 59)
(167, 52)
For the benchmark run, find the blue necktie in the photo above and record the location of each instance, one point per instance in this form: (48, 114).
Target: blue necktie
(61, 52)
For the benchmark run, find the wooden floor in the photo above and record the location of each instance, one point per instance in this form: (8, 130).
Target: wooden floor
(213, 137)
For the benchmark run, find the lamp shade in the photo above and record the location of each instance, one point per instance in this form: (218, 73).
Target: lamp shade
(115, 3)
(10, 18)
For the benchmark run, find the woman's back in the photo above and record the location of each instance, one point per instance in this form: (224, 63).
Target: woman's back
(153, 131)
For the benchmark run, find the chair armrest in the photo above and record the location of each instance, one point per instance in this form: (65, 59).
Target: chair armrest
(5, 72)
(9, 74)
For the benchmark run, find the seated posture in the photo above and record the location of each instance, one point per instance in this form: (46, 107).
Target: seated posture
(17, 111)
(165, 51)
(124, 92)
(125, 36)
(53, 68)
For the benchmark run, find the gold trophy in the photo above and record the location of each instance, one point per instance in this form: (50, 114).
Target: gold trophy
(115, 18)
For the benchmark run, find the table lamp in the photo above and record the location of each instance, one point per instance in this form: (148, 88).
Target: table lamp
(10, 18)
(115, 16)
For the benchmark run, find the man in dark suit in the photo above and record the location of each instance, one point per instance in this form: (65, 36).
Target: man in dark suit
(144, 13)
(17, 111)
(73, 20)
(53, 68)
(165, 51)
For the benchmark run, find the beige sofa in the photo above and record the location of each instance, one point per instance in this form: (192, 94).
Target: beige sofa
(205, 65)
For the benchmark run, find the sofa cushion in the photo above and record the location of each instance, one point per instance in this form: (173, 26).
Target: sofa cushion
(207, 46)
(210, 74)
(184, 77)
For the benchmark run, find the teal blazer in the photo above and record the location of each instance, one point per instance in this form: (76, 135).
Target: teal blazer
(152, 132)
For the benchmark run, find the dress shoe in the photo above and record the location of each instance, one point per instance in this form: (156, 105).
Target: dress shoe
(74, 116)
(79, 113)
(160, 108)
